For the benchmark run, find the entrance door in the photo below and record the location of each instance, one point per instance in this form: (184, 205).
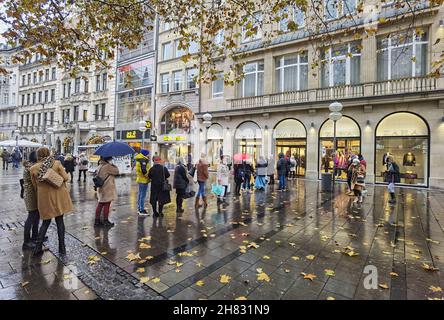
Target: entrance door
(298, 152)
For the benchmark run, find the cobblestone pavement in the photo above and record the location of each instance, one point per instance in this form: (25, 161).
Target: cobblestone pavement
(265, 245)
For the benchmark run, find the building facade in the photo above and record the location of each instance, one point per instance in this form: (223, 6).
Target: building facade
(177, 100)
(8, 94)
(134, 95)
(64, 113)
(391, 106)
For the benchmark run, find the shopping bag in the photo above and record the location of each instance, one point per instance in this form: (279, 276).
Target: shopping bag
(217, 189)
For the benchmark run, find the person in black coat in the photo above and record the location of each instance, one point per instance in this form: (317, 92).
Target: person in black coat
(180, 183)
(69, 165)
(158, 174)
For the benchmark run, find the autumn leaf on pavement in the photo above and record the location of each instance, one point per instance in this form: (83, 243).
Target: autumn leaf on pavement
(156, 280)
(394, 274)
(144, 279)
(266, 257)
(131, 256)
(383, 285)
(331, 298)
(93, 260)
(144, 245)
(427, 267)
(433, 241)
(24, 284)
(309, 276)
(435, 289)
(253, 245)
(224, 278)
(241, 298)
(145, 239)
(329, 272)
(295, 258)
(310, 257)
(140, 270)
(200, 283)
(262, 276)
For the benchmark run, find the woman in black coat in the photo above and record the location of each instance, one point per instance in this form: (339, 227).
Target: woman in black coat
(158, 174)
(69, 165)
(180, 183)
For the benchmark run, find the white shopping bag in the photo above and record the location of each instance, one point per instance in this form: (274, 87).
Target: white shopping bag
(391, 187)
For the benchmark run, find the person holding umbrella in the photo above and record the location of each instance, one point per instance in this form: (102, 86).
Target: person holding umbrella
(107, 192)
(104, 181)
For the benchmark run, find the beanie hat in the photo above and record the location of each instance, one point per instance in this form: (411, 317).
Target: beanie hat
(145, 152)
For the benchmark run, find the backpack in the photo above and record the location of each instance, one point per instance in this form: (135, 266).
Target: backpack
(84, 162)
(98, 181)
(143, 167)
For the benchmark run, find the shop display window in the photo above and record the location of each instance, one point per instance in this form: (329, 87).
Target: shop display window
(176, 121)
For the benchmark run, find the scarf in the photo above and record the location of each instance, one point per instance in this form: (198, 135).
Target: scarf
(46, 164)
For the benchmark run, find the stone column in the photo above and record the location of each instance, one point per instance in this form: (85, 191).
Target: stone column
(312, 151)
(268, 71)
(368, 59)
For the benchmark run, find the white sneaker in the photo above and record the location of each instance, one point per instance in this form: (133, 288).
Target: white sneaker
(143, 213)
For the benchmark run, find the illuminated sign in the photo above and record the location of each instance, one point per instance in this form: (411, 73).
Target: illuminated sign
(174, 138)
(134, 134)
(131, 134)
(148, 124)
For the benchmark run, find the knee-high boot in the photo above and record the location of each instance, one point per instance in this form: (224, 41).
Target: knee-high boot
(38, 249)
(196, 203)
(61, 234)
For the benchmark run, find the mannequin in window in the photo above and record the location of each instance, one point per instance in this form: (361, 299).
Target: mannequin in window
(409, 160)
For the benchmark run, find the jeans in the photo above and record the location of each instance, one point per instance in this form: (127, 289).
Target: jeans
(15, 164)
(201, 191)
(247, 183)
(282, 181)
(143, 188)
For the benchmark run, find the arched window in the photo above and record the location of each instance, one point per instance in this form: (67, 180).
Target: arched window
(405, 137)
(176, 121)
(248, 140)
(348, 143)
(215, 136)
(290, 138)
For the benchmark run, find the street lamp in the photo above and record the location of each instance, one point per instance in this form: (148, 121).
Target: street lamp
(207, 123)
(335, 115)
(50, 131)
(16, 132)
(142, 128)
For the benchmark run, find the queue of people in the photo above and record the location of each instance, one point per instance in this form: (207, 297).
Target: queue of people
(47, 197)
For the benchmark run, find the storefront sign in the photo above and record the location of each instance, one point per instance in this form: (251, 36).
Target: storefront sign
(174, 138)
(148, 124)
(133, 134)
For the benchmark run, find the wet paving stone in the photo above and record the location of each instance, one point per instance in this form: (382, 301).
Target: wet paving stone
(281, 230)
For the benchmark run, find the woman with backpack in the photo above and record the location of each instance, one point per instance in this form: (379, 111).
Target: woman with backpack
(53, 199)
(83, 166)
(106, 190)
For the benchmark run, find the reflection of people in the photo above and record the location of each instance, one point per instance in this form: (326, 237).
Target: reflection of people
(392, 176)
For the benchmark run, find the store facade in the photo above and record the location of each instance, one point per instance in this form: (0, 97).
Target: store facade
(348, 143)
(404, 136)
(175, 139)
(248, 141)
(290, 138)
(215, 144)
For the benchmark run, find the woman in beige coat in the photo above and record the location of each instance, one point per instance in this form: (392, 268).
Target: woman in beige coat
(52, 202)
(107, 193)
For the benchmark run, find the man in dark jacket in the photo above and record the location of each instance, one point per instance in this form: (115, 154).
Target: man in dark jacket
(282, 169)
(5, 157)
(158, 174)
(180, 183)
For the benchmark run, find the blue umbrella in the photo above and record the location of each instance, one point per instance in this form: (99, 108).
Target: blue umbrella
(114, 149)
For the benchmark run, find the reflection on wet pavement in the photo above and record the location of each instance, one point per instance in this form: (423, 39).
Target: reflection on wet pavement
(299, 244)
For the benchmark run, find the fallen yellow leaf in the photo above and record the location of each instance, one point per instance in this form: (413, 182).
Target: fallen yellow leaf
(329, 272)
(241, 298)
(262, 276)
(266, 257)
(140, 270)
(295, 258)
(435, 289)
(156, 280)
(428, 267)
(383, 286)
(224, 278)
(394, 274)
(331, 298)
(200, 283)
(144, 279)
(310, 257)
(309, 276)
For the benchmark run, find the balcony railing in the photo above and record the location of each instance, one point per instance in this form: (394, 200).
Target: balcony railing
(407, 85)
(367, 90)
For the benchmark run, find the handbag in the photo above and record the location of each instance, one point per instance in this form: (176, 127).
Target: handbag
(52, 178)
(166, 185)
